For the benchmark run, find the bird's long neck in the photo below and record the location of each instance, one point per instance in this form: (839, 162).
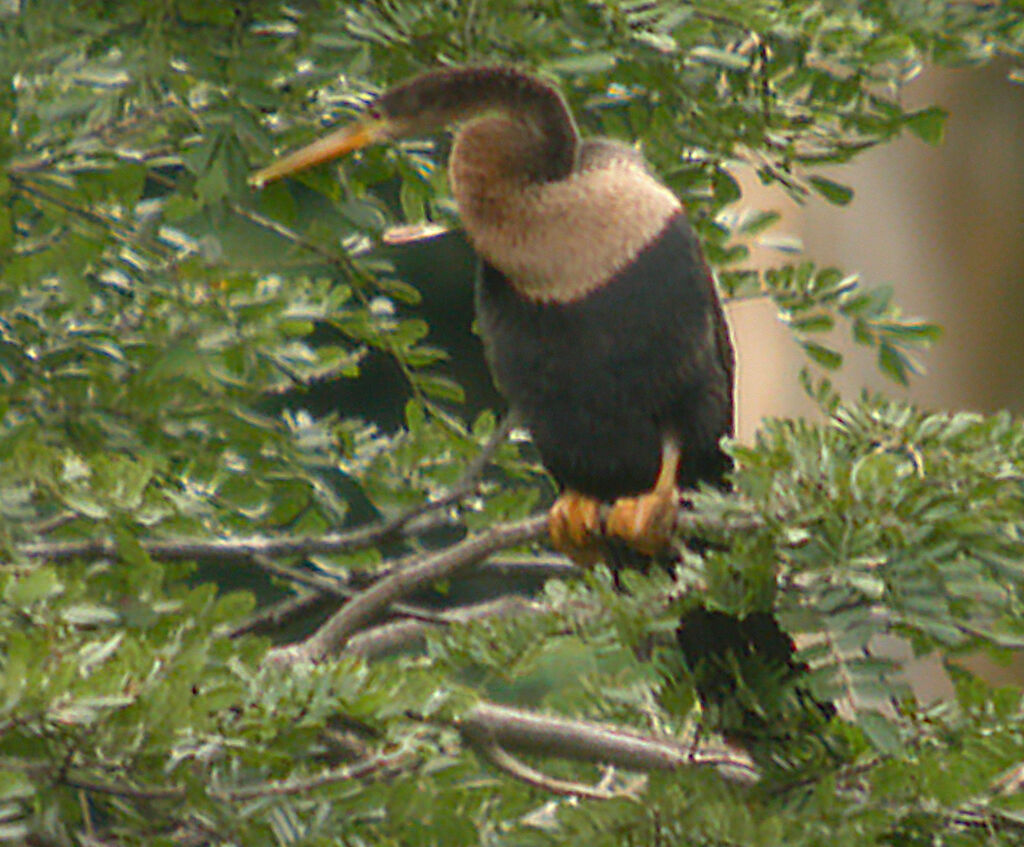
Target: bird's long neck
(515, 136)
(495, 162)
(543, 133)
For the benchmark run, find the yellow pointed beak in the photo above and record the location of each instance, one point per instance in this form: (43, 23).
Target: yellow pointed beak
(338, 143)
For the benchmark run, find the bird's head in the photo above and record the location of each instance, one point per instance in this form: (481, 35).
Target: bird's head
(443, 98)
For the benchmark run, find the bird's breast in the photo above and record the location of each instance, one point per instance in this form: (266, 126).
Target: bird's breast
(559, 241)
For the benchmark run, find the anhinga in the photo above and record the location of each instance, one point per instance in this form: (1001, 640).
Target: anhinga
(599, 317)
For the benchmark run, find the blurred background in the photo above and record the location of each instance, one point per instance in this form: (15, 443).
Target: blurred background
(946, 226)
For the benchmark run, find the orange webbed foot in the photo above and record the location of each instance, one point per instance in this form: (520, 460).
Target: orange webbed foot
(646, 522)
(574, 524)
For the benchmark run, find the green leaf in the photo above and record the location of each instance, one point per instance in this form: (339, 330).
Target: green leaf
(820, 322)
(89, 615)
(38, 585)
(928, 124)
(881, 732)
(439, 387)
(14, 785)
(708, 55)
(918, 332)
(893, 363)
(586, 63)
(832, 191)
(821, 355)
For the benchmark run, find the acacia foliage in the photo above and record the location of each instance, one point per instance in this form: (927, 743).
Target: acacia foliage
(150, 303)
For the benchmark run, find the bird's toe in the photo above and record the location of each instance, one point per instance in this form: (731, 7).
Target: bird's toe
(645, 522)
(574, 524)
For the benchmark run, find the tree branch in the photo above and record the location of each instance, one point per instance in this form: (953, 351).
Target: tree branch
(509, 764)
(380, 641)
(358, 770)
(371, 604)
(489, 725)
(228, 550)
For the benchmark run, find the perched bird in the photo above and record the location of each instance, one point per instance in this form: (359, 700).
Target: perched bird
(600, 320)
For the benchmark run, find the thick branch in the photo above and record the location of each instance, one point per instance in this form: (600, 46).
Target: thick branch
(494, 732)
(488, 725)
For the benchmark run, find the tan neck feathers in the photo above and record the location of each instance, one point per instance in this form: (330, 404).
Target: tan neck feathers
(559, 241)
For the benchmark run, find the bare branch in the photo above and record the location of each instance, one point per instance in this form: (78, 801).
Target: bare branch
(320, 584)
(358, 770)
(398, 635)
(244, 549)
(122, 789)
(335, 588)
(536, 567)
(369, 605)
(278, 615)
(262, 548)
(489, 724)
(391, 637)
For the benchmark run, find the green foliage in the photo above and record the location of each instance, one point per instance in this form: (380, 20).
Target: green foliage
(162, 328)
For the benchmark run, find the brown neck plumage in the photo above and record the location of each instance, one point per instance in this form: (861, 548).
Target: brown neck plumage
(531, 128)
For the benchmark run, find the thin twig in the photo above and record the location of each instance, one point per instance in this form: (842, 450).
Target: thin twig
(336, 588)
(341, 260)
(123, 789)
(304, 785)
(358, 770)
(277, 616)
(534, 567)
(118, 231)
(308, 579)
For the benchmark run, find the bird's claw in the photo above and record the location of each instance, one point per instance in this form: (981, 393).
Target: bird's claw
(646, 522)
(574, 524)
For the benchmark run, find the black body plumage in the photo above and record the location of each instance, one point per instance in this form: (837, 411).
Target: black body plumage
(603, 380)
